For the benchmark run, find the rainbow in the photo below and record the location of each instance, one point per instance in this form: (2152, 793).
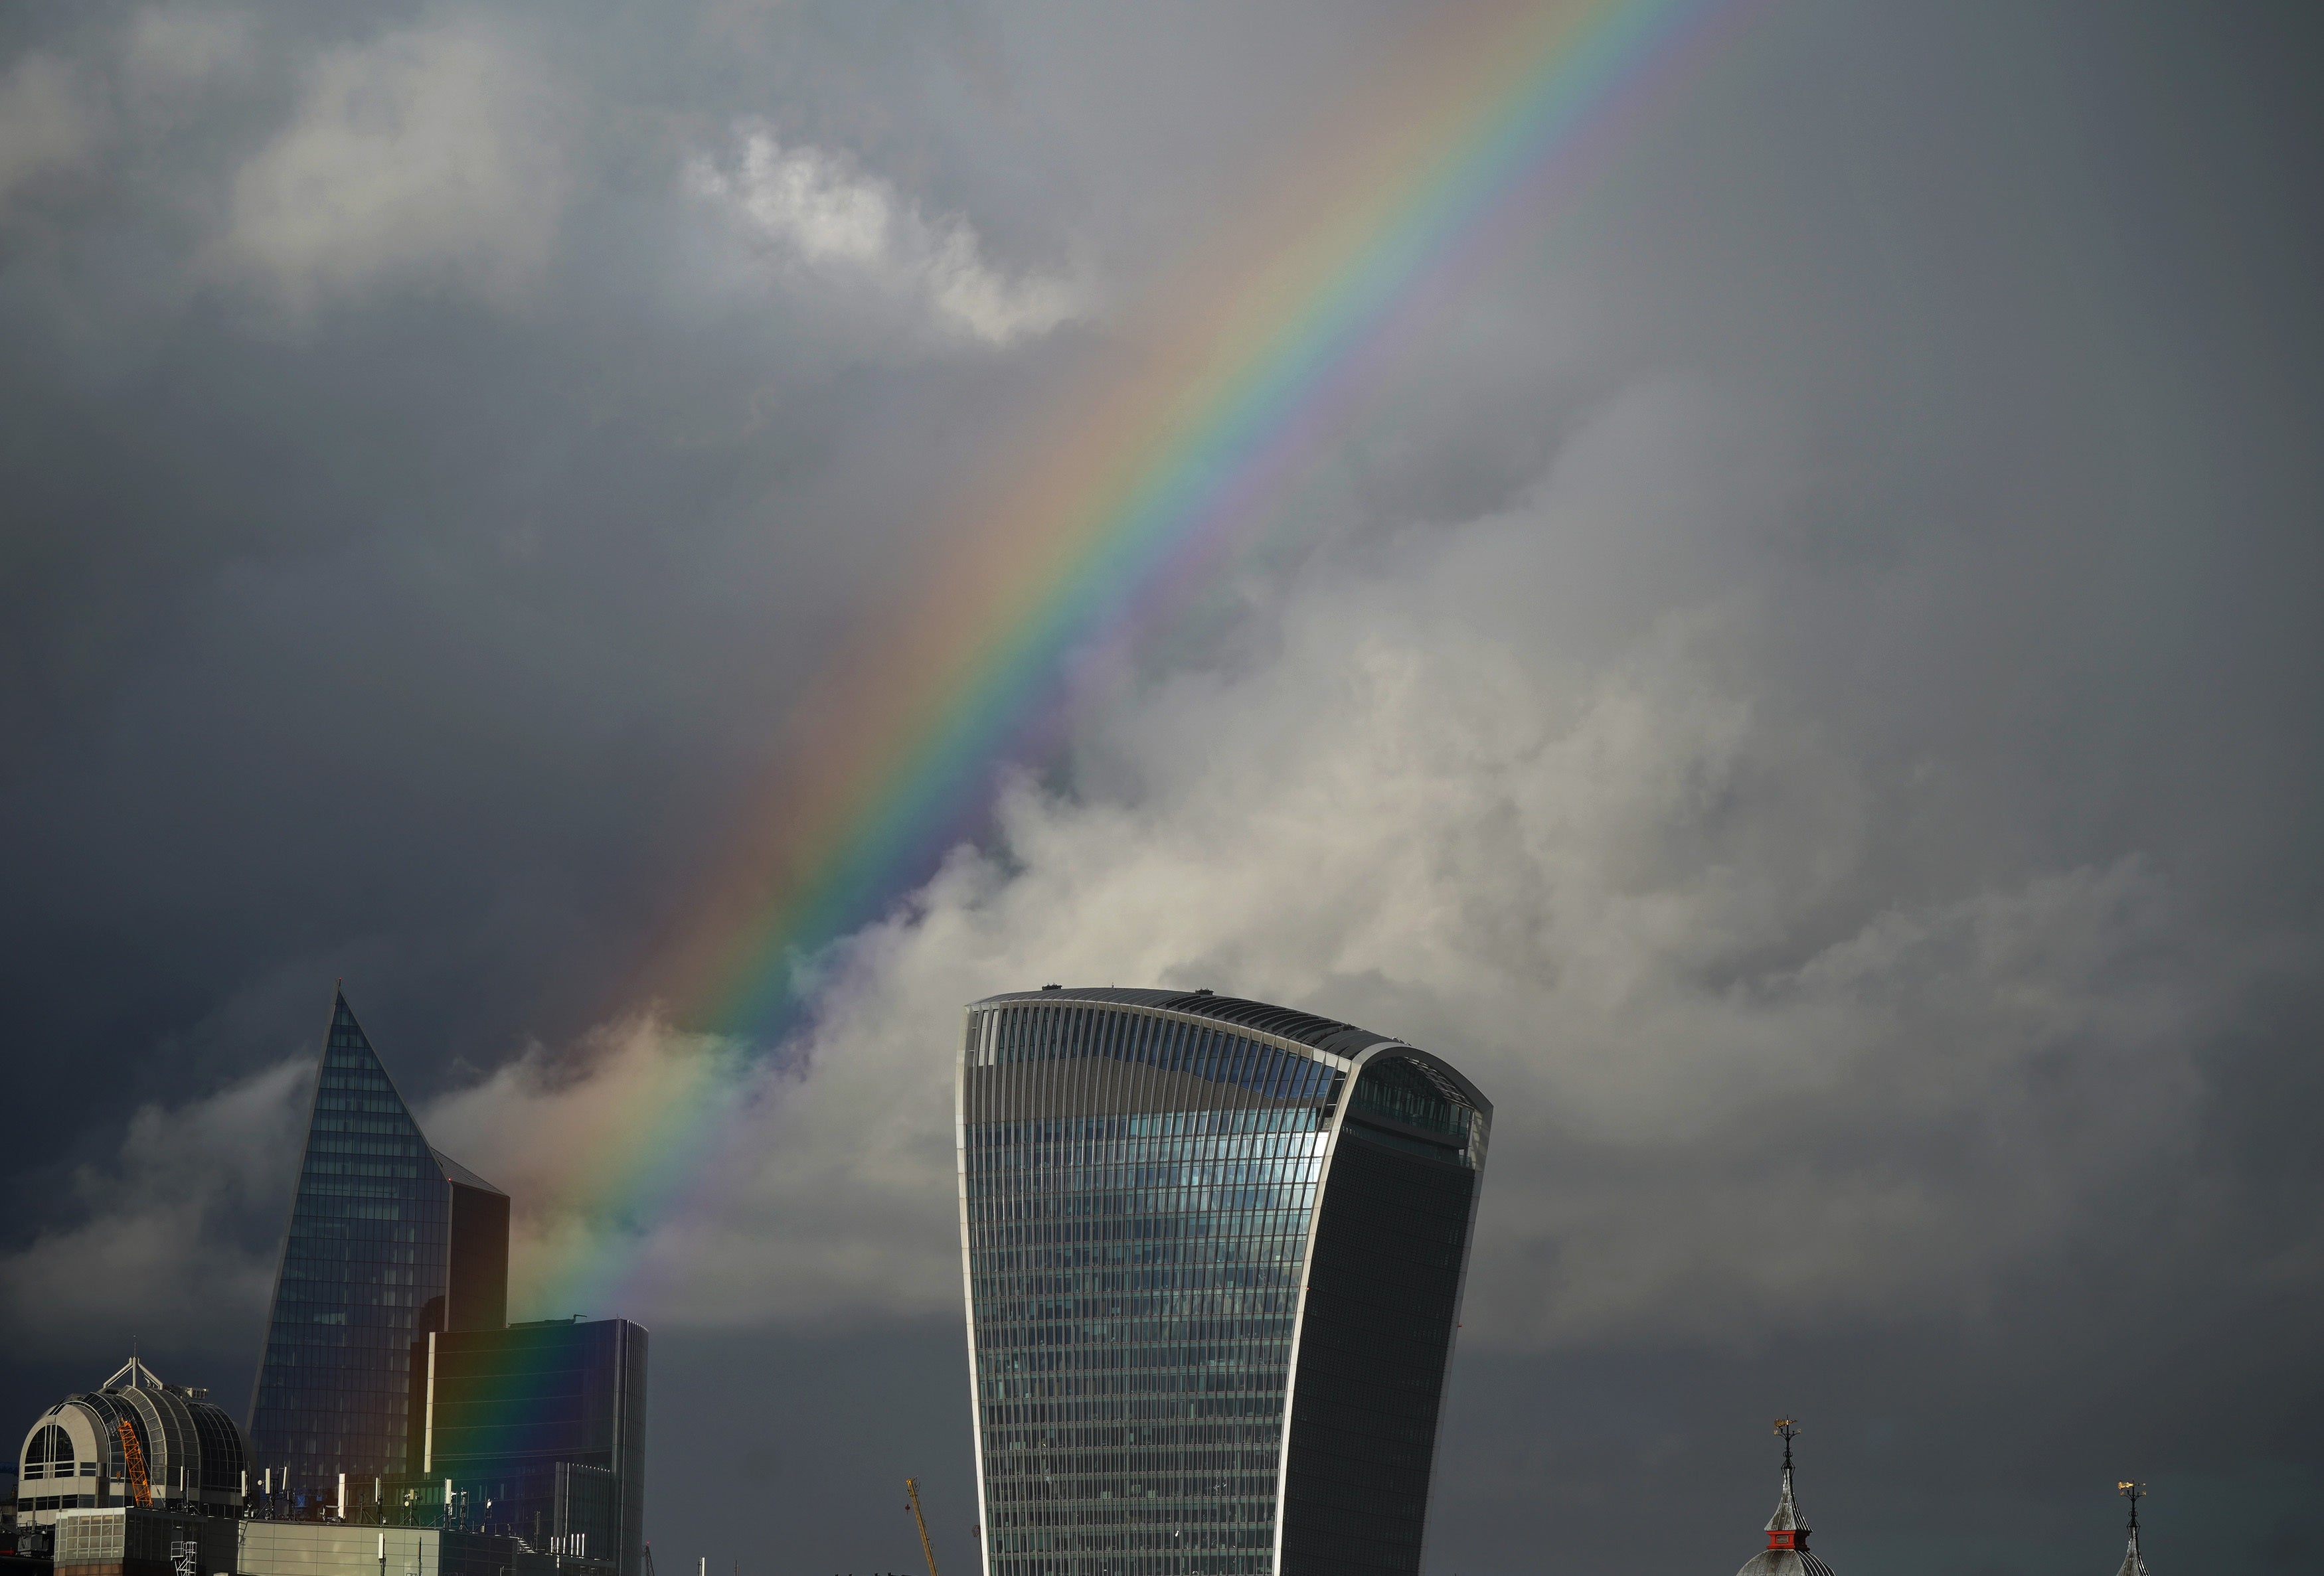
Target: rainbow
(1162, 465)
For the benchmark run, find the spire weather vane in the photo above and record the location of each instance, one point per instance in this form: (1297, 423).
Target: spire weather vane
(1790, 1430)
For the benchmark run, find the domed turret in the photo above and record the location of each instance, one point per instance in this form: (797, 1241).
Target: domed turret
(1786, 1554)
(2132, 1563)
(135, 1440)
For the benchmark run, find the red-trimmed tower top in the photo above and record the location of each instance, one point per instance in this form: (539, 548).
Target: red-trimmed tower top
(1786, 1554)
(1785, 1530)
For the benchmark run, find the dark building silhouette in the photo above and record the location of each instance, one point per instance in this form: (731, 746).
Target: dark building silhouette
(546, 1422)
(1215, 1252)
(388, 1239)
(394, 1389)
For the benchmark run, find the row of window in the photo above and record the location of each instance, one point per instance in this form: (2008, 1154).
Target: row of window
(314, 1227)
(1073, 1346)
(1159, 1221)
(360, 1104)
(1010, 1146)
(385, 1335)
(1001, 1037)
(1178, 1561)
(332, 1400)
(1062, 1456)
(318, 1210)
(323, 1165)
(375, 1125)
(1142, 1237)
(406, 1147)
(306, 1275)
(1175, 1539)
(1167, 1502)
(1162, 1222)
(1084, 1187)
(58, 1502)
(1061, 1163)
(1101, 1392)
(314, 1187)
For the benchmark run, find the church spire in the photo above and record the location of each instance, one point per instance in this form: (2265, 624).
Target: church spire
(1786, 1554)
(2132, 1563)
(1785, 1530)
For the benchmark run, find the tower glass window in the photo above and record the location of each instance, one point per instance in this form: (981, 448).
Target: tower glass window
(387, 1240)
(1212, 1293)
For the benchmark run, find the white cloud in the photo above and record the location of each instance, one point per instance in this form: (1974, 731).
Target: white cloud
(170, 50)
(427, 158)
(1748, 1077)
(157, 1228)
(49, 122)
(774, 1242)
(1744, 1080)
(815, 217)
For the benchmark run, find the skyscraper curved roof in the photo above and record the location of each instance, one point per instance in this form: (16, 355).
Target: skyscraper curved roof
(1322, 1034)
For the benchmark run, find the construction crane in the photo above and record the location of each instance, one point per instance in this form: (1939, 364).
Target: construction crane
(132, 1461)
(912, 1487)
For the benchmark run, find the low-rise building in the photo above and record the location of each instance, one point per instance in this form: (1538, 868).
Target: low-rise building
(126, 1541)
(308, 1548)
(135, 1441)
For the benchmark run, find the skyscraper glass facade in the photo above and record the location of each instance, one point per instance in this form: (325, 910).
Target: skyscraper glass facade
(367, 1264)
(1210, 1296)
(545, 1423)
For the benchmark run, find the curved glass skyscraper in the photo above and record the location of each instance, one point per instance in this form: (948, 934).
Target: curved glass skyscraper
(1214, 1253)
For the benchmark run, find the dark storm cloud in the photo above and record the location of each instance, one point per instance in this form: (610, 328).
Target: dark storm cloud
(1803, 683)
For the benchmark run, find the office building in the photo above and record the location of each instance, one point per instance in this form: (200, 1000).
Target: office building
(128, 1540)
(545, 1423)
(311, 1548)
(133, 1441)
(388, 1239)
(1213, 1252)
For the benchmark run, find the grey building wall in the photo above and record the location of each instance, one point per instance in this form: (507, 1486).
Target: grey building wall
(142, 1543)
(306, 1548)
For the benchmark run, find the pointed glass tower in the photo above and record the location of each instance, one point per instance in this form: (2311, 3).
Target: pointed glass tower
(387, 1240)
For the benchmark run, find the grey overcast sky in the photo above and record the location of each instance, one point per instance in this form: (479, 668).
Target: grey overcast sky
(1804, 681)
